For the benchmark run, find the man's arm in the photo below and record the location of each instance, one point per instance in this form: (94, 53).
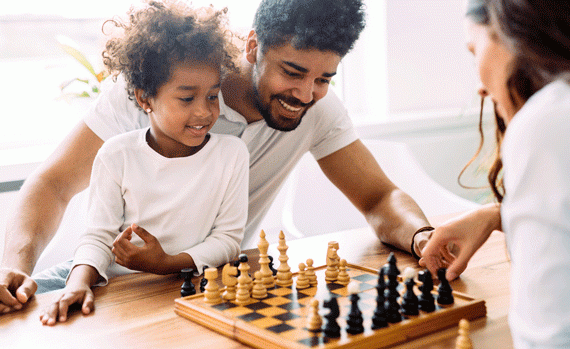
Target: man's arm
(393, 214)
(40, 206)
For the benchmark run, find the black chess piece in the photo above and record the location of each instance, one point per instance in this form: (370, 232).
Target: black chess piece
(354, 320)
(204, 281)
(273, 270)
(332, 329)
(391, 305)
(379, 317)
(187, 288)
(426, 302)
(444, 291)
(410, 300)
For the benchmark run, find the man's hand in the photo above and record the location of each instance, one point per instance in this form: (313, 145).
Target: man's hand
(16, 288)
(71, 294)
(148, 258)
(466, 233)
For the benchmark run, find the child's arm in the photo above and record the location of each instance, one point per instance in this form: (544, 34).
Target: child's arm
(77, 290)
(150, 257)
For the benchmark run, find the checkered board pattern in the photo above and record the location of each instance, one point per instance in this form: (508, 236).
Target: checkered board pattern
(279, 320)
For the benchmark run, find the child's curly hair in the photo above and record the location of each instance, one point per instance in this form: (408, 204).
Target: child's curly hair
(163, 33)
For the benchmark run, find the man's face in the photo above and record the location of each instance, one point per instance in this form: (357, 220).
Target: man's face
(288, 81)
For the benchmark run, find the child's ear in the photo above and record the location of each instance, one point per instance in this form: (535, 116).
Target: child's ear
(251, 47)
(143, 102)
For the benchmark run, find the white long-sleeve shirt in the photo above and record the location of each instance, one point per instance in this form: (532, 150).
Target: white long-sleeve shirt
(195, 204)
(535, 215)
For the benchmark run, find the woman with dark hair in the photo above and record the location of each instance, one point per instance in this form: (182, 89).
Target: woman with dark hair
(522, 55)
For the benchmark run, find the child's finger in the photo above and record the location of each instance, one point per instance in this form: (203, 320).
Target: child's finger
(88, 303)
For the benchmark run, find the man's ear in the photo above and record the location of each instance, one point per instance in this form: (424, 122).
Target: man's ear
(251, 47)
(143, 102)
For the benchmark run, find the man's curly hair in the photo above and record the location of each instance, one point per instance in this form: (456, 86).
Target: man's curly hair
(325, 25)
(161, 34)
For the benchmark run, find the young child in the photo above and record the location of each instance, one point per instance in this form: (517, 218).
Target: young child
(170, 196)
(522, 54)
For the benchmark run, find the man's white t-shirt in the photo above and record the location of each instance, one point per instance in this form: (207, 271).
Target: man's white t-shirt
(535, 215)
(325, 128)
(195, 204)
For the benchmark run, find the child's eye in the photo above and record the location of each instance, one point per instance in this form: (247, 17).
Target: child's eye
(187, 99)
(213, 97)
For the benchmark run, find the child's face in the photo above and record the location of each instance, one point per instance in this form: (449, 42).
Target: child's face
(185, 108)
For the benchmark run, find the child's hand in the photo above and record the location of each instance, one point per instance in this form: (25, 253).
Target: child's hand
(149, 258)
(71, 294)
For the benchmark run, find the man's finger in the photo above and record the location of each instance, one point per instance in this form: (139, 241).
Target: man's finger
(142, 233)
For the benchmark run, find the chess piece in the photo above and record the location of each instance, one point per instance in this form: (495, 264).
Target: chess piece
(391, 294)
(354, 320)
(444, 291)
(204, 281)
(211, 291)
(332, 265)
(332, 329)
(243, 294)
(426, 302)
(335, 245)
(259, 291)
(302, 280)
(379, 317)
(463, 341)
(342, 278)
(264, 261)
(314, 320)
(229, 280)
(273, 270)
(284, 275)
(409, 300)
(187, 288)
(310, 273)
(244, 268)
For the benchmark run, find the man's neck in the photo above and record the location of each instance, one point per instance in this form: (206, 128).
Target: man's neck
(237, 90)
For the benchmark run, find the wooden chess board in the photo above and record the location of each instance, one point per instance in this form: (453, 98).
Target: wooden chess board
(279, 320)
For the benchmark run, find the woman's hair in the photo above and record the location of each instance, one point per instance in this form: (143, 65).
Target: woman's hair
(159, 35)
(538, 35)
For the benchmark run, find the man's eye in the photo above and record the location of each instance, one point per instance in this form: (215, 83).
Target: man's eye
(290, 73)
(187, 99)
(324, 81)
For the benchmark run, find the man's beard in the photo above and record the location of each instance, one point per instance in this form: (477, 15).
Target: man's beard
(279, 123)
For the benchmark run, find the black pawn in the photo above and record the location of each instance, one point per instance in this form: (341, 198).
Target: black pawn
(354, 320)
(273, 270)
(444, 291)
(426, 300)
(187, 288)
(391, 294)
(379, 317)
(332, 329)
(410, 300)
(204, 281)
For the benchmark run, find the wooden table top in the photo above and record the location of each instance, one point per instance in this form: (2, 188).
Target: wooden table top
(137, 310)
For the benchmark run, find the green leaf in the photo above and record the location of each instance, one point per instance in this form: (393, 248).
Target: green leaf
(71, 48)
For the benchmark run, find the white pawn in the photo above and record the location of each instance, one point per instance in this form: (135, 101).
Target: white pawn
(314, 320)
(463, 341)
(310, 273)
(302, 279)
(212, 290)
(259, 291)
(343, 278)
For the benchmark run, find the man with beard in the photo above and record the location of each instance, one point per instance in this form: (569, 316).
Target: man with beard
(278, 104)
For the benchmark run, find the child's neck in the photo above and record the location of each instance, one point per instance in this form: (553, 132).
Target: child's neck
(175, 150)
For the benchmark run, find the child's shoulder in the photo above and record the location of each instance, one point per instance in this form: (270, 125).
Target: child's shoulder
(123, 141)
(228, 140)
